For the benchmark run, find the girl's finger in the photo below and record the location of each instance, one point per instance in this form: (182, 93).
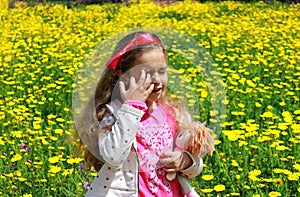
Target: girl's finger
(150, 89)
(148, 79)
(168, 153)
(166, 159)
(142, 77)
(132, 82)
(170, 170)
(122, 87)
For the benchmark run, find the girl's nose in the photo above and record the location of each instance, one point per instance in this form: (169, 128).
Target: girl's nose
(155, 78)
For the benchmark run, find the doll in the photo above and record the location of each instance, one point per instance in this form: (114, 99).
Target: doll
(196, 139)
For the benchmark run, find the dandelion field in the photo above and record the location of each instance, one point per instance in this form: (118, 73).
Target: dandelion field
(257, 51)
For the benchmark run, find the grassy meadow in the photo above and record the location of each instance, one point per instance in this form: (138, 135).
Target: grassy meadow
(256, 48)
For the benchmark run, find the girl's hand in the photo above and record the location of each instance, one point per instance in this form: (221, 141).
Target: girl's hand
(139, 90)
(175, 161)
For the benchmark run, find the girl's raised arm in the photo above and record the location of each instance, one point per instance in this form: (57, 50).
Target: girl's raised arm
(116, 145)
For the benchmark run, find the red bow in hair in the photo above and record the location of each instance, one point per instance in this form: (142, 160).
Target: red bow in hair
(142, 39)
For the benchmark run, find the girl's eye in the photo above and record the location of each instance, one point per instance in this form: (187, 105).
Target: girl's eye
(162, 72)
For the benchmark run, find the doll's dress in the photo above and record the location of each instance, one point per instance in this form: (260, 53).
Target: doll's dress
(155, 135)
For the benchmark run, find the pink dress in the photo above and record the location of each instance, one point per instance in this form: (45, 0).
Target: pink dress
(155, 135)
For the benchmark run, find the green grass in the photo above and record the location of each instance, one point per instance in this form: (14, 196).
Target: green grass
(256, 50)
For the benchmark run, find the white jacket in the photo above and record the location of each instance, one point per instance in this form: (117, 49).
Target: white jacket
(119, 175)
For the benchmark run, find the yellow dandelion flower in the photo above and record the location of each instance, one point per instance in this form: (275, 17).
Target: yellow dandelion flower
(294, 176)
(282, 148)
(219, 188)
(207, 177)
(54, 159)
(68, 172)
(27, 195)
(286, 172)
(267, 114)
(297, 166)
(51, 116)
(242, 143)
(234, 163)
(282, 126)
(16, 157)
(17, 134)
(262, 185)
(274, 194)
(53, 138)
(241, 105)
(207, 190)
(60, 120)
(54, 169)
(58, 131)
(278, 181)
(180, 71)
(277, 170)
(253, 175)
(36, 125)
(204, 93)
(94, 174)
(222, 155)
(253, 178)
(268, 180)
(43, 180)
(217, 142)
(74, 160)
(21, 179)
(254, 146)
(250, 83)
(257, 104)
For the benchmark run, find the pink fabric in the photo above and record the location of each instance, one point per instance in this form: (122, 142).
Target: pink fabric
(155, 135)
(137, 104)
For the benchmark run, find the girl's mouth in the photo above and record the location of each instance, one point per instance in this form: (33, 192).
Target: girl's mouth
(156, 90)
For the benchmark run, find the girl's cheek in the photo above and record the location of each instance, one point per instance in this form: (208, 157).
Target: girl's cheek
(165, 80)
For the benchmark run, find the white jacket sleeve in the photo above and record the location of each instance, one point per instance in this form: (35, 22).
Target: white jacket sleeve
(116, 145)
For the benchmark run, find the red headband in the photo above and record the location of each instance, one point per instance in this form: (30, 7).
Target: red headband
(142, 39)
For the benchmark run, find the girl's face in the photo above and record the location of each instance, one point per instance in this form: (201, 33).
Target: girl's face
(154, 63)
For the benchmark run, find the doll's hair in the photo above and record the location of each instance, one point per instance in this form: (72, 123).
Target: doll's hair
(202, 142)
(108, 82)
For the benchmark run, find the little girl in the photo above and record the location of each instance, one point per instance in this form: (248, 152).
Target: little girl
(138, 122)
